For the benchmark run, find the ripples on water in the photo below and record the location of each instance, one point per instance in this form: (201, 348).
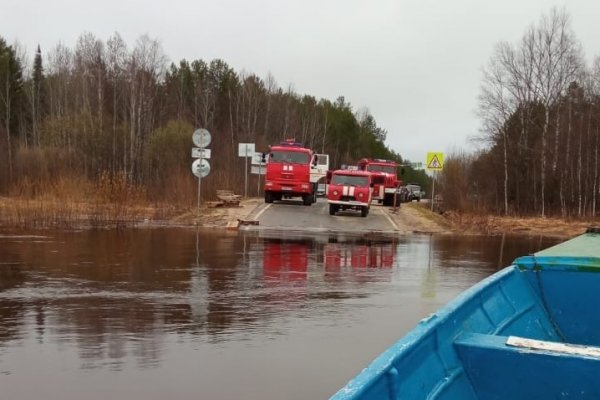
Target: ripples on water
(150, 314)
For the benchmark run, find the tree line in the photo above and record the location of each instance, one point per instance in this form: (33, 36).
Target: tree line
(103, 109)
(539, 105)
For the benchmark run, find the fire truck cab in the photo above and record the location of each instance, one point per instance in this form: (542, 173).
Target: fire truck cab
(292, 171)
(385, 179)
(349, 190)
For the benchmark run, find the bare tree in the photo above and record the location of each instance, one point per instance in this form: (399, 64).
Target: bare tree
(145, 67)
(557, 63)
(497, 102)
(60, 66)
(116, 55)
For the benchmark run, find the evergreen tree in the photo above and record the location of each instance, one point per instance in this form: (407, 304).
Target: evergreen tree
(11, 86)
(38, 96)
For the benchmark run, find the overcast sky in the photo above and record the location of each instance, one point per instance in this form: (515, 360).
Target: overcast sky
(415, 64)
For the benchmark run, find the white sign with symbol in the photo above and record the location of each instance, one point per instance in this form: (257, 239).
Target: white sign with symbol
(257, 159)
(198, 152)
(201, 137)
(246, 149)
(201, 168)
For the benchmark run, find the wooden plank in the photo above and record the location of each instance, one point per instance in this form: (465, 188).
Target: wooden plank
(563, 348)
(248, 221)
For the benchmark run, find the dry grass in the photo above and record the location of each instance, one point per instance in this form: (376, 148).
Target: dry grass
(75, 202)
(109, 202)
(471, 223)
(490, 224)
(424, 210)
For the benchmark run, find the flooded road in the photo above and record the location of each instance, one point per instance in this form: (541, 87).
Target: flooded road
(181, 314)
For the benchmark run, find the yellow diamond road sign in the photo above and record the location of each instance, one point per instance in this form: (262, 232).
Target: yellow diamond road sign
(435, 161)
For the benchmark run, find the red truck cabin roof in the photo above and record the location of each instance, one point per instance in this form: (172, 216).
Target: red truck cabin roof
(290, 155)
(351, 172)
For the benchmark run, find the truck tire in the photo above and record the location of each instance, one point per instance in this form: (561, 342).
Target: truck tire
(307, 199)
(364, 211)
(268, 197)
(332, 209)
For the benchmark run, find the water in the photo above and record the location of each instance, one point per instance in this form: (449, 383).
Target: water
(180, 314)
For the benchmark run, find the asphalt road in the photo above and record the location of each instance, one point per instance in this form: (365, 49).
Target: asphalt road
(292, 215)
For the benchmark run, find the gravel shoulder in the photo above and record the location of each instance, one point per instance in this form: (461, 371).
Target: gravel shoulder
(415, 218)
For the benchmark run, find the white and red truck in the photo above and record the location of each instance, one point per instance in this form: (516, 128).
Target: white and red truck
(385, 179)
(293, 171)
(349, 190)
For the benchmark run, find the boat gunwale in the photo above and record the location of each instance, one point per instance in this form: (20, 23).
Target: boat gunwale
(384, 362)
(425, 327)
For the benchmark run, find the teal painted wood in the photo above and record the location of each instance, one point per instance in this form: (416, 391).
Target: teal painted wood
(545, 296)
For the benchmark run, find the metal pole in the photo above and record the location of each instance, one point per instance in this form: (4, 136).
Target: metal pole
(246, 174)
(395, 209)
(199, 192)
(200, 175)
(259, 174)
(433, 191)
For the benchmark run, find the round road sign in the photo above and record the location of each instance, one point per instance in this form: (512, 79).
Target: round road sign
(201, 137)
(201, 168)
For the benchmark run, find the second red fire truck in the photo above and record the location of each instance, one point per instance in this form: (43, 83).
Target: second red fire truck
(385, 179)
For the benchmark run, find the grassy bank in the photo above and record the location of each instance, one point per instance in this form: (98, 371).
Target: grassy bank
(469, 223)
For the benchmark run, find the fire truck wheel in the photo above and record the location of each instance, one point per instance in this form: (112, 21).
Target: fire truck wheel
(307, 199)
(268, 197)
(364, 211)
(332, 209)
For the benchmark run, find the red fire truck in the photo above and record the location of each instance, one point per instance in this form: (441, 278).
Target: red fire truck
(349, 190)
(385, 179)
(289, 173)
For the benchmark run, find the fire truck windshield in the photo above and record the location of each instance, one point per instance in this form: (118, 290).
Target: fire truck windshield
(388, 169)
(295, 157)
(349, 180)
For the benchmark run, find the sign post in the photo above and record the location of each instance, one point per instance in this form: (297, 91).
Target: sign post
(201, 166)
(435, 162)
(258, 168)
(246, 150)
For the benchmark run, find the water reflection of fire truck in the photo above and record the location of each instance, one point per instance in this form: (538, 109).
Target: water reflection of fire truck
(285, 260)
(375, 255)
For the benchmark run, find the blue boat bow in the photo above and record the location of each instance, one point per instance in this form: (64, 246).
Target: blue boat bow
(530, 331)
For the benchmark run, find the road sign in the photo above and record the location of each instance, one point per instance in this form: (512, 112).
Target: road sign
(435, 161)
(258, 169)
(198, 152)
(201, 167)
(257, 159)
(201, 137)
(246, 149)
